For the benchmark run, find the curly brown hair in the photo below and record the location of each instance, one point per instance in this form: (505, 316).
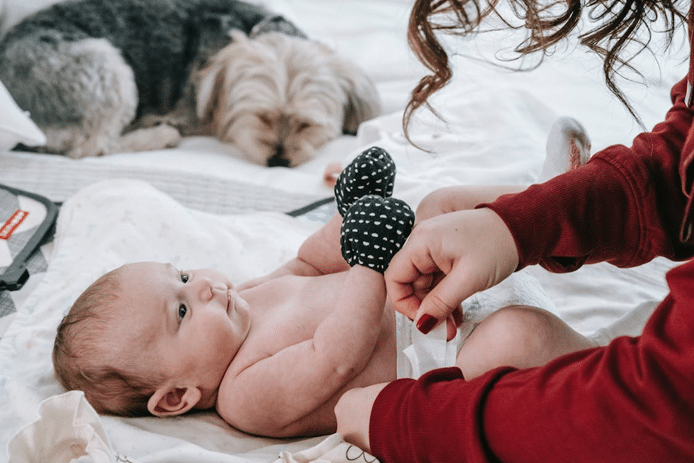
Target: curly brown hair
(81, 355)
(616, 25)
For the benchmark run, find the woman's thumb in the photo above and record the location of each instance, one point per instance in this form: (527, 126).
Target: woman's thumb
(431, 312)
(436, 306)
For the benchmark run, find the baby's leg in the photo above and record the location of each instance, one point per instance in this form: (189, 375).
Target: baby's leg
(568, 147)
(461, 197)
(373, 230)
(370, 173)
(375, 225)
(518, 336)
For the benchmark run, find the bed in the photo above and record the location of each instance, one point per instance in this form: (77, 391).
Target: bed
(200, 197)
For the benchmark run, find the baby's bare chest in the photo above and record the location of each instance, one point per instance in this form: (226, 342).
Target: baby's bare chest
(288, 311)
(297, 304)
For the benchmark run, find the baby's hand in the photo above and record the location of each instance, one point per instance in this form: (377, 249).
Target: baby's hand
(373, 230)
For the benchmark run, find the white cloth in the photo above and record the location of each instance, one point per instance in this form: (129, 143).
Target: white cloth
(333, 449)
(74, 433)
(15, 125)
(68, 429)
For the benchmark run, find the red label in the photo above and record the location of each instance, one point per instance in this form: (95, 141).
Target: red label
(12, 223)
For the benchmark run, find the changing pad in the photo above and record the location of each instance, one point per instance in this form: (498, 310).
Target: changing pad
(100, 228)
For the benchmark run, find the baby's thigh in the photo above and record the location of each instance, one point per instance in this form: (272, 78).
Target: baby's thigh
(520, 337)
(460, 197)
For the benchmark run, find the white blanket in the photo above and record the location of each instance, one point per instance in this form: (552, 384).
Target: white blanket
(113, 222)
(100, 228)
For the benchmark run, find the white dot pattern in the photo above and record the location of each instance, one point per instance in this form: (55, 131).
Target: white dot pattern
(370, 173)
(374, 229)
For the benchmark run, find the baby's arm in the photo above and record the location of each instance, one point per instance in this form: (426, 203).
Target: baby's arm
(370, 173)
(318, 255)
(286, 394)
(283, 395)
(321, 250)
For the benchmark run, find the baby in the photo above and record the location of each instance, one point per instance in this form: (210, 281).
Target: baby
(273, 355)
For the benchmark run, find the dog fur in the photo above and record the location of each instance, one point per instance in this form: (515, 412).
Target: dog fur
(129, 75)
(279, 98)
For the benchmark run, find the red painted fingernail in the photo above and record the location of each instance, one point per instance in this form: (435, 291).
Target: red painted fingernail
(426, 323)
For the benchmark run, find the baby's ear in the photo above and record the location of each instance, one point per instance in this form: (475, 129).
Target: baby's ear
(171, 401)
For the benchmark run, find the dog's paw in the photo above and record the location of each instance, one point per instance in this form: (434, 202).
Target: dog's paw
(370, 173)
(373, 230)
(169, 135)
(152, 138)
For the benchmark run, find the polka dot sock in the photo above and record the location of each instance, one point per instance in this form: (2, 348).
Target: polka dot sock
(370, 173)
(374, 229)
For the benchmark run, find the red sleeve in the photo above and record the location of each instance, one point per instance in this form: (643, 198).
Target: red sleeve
(436, 418)
(629, 401)
(626, 206)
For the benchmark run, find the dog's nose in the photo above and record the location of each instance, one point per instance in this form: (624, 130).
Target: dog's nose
(278, 160)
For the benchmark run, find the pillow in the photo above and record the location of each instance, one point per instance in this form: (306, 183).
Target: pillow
(15, 125)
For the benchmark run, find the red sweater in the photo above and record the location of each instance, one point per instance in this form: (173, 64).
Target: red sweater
(630, 401)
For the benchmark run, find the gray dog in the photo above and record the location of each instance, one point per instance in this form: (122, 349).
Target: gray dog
(98, 75)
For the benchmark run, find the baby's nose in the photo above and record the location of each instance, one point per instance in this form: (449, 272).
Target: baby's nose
(217, 289)
(208, 289)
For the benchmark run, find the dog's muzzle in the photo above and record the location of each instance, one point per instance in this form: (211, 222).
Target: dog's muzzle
(278, 160)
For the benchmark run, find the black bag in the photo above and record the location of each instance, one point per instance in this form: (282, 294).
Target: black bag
(26, 222)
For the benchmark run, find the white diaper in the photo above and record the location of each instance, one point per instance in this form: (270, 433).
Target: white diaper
(418, 353)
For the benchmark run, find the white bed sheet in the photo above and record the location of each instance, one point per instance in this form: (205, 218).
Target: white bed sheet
(494, 130)
(494, 127)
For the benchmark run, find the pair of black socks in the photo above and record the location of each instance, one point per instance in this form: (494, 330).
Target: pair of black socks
(375, 225)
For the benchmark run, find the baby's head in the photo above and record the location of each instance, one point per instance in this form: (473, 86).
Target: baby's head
(148, 338)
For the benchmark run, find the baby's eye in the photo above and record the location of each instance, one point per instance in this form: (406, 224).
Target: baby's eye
(184, 277)
(182, 310)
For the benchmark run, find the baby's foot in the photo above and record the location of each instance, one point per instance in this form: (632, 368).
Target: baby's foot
(370, 173)
(568, 147)
(374, 229)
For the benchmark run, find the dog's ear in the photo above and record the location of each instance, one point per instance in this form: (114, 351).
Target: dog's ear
(363, 100)
(208, 88)
(209, 85)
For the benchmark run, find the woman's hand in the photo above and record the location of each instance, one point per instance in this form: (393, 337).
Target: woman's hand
(447, 259)
(353, 412)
